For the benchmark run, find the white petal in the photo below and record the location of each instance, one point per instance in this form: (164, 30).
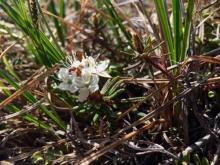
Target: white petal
(93, 88)
(95, 79)
(73, 88)
(63, 73)
(102, 66)
(91, 61)
(85, 62)
(76, 64)
(72, 77)
(83, 94)
(63, 86)
(86, 71)
(87, 78)
(104, 74)
(79, 82)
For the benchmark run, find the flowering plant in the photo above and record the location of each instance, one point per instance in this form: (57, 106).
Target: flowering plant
(81, 74)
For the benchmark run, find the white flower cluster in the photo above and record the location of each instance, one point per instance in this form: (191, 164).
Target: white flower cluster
(82, 75)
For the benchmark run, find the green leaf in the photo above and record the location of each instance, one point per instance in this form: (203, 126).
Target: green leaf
(187, 27)
(59, 26)
(177, 26)
(205, 161)
(165, 25)
(196, 159)
(32, 100)
(116, 20)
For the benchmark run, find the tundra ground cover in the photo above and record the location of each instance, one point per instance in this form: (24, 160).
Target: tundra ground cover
(109, 82)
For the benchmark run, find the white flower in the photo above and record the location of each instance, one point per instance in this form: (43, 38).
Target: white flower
(83, 94)
(74, 62)
(101, 67)
(67, 80)
(87, 83)
(82, 75)
(97, 67)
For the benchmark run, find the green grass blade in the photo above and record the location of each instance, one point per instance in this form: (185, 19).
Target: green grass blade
(163, 17)
(28, 117)
(187, 27)
(50, 32)
(59, 26)
(9, 67)
(62, 15)
(32, 100)
(117, 21)
(48, 54)
(177, 28)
